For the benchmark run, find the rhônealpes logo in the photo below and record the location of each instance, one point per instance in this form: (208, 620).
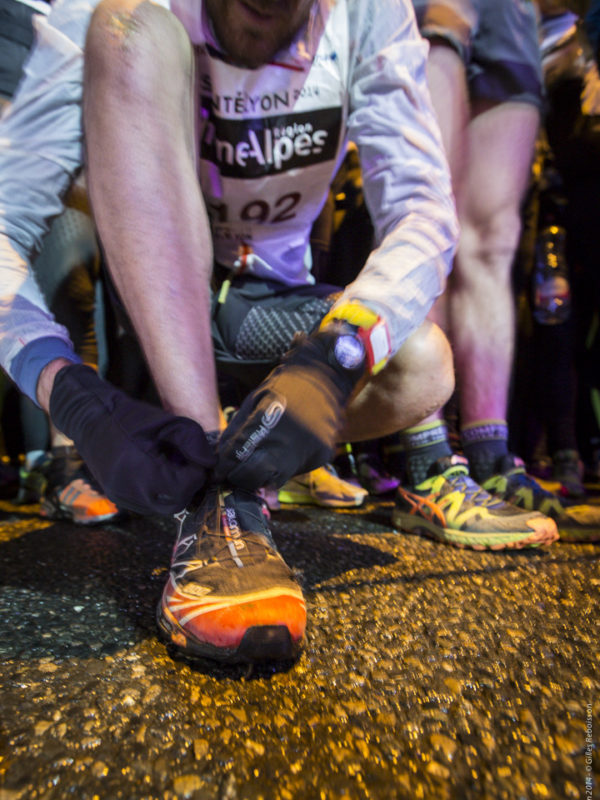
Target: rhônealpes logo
(253, 148)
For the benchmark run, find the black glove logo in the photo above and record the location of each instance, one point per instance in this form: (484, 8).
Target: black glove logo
(269, 420)
(290, 423)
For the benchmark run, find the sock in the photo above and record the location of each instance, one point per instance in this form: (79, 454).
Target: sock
(423, 445)
(484, 443)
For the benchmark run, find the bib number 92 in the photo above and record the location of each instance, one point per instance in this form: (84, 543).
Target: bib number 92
(259, 211)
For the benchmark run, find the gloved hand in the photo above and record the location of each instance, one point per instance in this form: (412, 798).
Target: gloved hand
(290, 423)
(145, 459)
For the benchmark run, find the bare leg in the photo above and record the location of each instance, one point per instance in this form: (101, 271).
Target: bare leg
(449, 95)
(500, 142)
(447, 84)
(418, 380)
(138, 116)
(489, 160)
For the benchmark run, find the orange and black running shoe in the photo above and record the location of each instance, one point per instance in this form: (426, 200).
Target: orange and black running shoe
(71, 492)
(450, 507)
(230, 596)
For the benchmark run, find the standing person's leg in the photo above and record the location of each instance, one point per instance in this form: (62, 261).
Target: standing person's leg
(490, 158)
(447, 81)
(437, 478)
(446, 76)
(500, 141)
(505, 86)
(66, 270)
(139, 122)
(480, 306)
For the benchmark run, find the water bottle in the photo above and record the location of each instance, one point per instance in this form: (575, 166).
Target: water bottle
(551, 288)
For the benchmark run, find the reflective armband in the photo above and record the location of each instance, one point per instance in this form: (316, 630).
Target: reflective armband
(369, 327)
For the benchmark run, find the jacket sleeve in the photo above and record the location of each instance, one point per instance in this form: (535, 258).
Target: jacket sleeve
(40, 154)
(405, 173)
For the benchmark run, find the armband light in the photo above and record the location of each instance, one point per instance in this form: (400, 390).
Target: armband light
(369, 327)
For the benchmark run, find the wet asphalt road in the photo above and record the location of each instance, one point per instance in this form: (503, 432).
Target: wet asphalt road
(429, 672)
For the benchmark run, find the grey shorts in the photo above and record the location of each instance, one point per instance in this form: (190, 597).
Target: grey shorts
(497, 40)
(16, 38)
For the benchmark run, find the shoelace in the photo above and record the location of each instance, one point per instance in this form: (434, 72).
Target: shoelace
(228, 550)
(472, 490)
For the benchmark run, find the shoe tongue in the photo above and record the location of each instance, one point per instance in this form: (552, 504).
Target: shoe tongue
(457, 465)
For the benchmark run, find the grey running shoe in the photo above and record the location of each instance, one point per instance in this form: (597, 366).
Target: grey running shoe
(579, 523)
(567, 469)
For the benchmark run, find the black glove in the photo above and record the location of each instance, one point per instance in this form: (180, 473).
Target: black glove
(145, 459)
(290, 423)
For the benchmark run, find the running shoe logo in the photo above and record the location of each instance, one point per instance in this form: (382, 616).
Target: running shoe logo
(423, 507)
(268, 421)
(232, 529)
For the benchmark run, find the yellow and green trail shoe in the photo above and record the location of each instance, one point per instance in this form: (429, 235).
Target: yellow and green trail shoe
(322, 487)
(450, 507)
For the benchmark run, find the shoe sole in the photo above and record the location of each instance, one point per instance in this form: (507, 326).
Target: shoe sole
(303, 499)
(258, 644)
(408, 523)
(578, 536)
(51, 510)
(577, 533)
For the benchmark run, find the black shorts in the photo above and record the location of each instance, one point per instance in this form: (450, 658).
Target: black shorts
(256, 324)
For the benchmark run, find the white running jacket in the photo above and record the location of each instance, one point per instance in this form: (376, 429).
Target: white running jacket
(269, 142)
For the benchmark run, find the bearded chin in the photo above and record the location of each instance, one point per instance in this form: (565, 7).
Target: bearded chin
(251, 51)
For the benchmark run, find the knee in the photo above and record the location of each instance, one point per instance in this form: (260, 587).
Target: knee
(134, 44)
(489, 241)
(429, 354)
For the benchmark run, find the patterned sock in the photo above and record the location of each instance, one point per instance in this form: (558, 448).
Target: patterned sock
(484, 443)
(423, 445)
